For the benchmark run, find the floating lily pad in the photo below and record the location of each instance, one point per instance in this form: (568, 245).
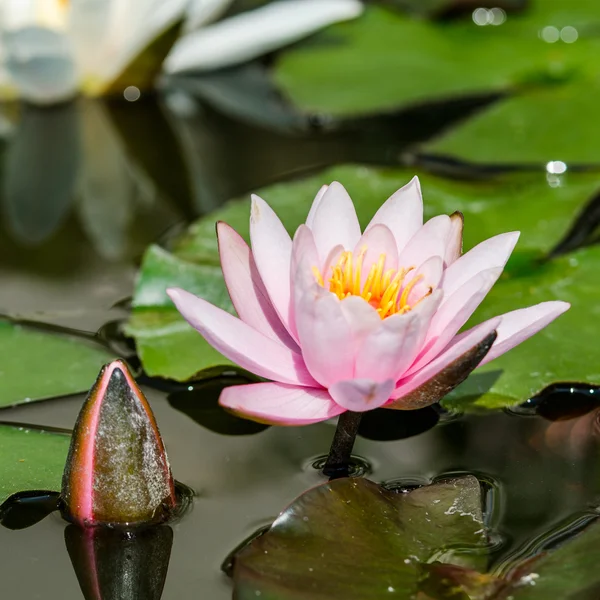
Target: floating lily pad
(351, 539)
(388, 59)
(31, 459)
(533, 128)
(166, 344)
(524, 202)
(36, 365)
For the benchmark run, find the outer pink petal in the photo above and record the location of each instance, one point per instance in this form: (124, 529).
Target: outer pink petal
(335, 221)
(402, 213)
(310, 219)
(302, 277)
(246, 289)
(453, 313)
(360, 395)
(391, 348)
(456, 349)
(324, 334)
(493, 252)
(519, 325)
(280, 404)
(272, 251)
(455, 239)
(429, 241)
(240, 343)
(377, 241)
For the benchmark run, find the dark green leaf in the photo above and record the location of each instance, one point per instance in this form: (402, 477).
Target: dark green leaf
(568, 573)
(352, 539)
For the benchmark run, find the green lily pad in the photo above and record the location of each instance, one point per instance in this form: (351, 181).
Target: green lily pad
(388, 59)
(525, 202)
(533, 127)
(352, 539)
(31, 459)
(61, 364)
(166, 344)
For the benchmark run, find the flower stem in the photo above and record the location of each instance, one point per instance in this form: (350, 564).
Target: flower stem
(338, 461)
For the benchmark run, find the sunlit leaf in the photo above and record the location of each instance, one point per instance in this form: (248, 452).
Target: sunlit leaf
(388, 59)
(35, 365)
(352, 539)
(31, 459)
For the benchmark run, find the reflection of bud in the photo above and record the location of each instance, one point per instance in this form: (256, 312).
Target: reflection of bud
(116, 564)
(117, 469)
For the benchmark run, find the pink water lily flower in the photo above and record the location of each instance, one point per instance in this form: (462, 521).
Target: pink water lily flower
(340, 320)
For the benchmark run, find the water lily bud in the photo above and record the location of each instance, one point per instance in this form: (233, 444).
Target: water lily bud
(113, 564)
(117, 470)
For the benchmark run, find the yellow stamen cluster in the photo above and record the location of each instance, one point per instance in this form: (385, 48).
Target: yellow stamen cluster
(384, 290)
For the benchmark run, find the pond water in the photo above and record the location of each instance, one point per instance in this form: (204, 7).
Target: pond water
(86, 187)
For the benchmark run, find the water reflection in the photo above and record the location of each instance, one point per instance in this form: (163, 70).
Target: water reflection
(115, 564)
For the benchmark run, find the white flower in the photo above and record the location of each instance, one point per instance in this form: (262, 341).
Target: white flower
(50, 49)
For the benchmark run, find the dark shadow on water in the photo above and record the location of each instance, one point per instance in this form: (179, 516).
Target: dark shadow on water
(386, 425)
(201, 404)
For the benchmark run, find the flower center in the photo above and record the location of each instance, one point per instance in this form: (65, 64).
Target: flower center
(384, 290)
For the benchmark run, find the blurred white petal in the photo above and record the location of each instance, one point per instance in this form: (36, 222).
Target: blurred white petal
(108, 34)
(256, 32)
(201, 12)
(39, 64)
(16, 14)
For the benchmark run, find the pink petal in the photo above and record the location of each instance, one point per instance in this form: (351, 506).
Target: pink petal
(335, 221)
(519, 325)
(302, 276)
(246, 289)
(239, 342)
(313, 209)
(272, 251)
(455, 350)
(377, 241)
(430, 240)
(361, 317)
(324, 334)
(453, 313)
(431, 272)
(433, 387)
(402, 213)
(280, 404)
(455, 239)
(392, 347)
(493, 252)
(359, 395)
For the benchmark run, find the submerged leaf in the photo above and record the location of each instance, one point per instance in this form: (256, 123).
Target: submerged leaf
(352, 539)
